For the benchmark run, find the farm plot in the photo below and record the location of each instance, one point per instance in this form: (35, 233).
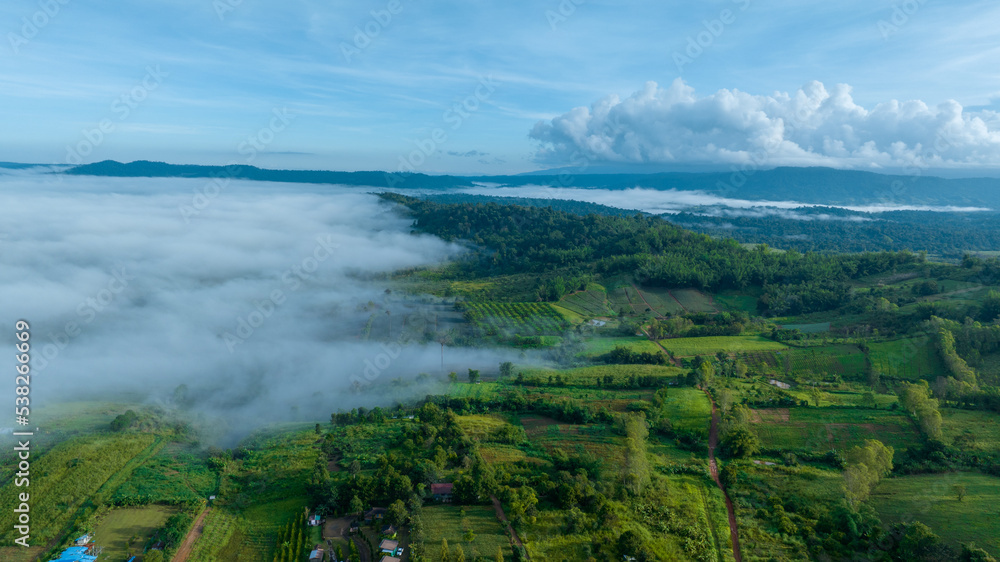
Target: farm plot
(451, 522)
(588, 304)
(821, 429)
(930, 499)
(686, 347)
(975, 430)
(124, 531)
(661, 301)
(694, 300)
(687, 408)
(619, 301)
(522, 318)
(595, 347)
(911, 359)
(549, 434)
(67, 476)
(844, 360)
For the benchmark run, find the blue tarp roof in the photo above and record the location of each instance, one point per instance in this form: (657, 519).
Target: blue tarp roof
(75, 554)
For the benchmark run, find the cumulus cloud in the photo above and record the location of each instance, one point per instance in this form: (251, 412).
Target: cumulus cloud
(816, 126)
(259, 303)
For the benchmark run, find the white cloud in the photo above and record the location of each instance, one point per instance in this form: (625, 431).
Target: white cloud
(812, 126)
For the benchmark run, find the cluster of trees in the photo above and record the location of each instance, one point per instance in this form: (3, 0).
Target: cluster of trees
(916, 399)
(515, 239)
(737, 437)
(866, 465)
(292, 540)
(624, 355)
(635, 468)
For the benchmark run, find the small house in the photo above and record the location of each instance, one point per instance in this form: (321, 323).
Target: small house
(388, 546)
(389, 559)
(83, 540)
(315, 520)
(375, 514)
(389, 532)
(316, 554)
(442, 492)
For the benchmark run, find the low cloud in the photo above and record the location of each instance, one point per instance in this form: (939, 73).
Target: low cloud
(469, 154)
(259, 304)
(814, 126)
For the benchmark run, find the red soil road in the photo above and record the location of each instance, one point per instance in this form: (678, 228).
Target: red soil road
(503, 519)
(713, 440)
(196, 530)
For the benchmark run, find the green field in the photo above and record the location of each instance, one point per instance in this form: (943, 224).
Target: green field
(451, 522)
(835, 359)
(124, 531)
(522, 318)
(600, 345)
(912, 358)
(930, 500)
(687, 408)
(824, 429)
(661, 301)
(686, 347)
(588, 304)
(984, 428)
(694, 300)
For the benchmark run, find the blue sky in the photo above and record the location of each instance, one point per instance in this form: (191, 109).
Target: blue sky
(269, 83)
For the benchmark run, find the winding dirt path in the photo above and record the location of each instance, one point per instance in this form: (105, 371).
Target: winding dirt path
(197, 528)
(503, 519)
(713, 440)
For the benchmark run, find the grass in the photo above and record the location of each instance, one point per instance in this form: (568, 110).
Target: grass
(478, 427)
(908, 358)
(124, 531)
(451, 522)
(928, 498)
(587, 304)
(694, 300)
(984, 427)
(599, 346)
(68, 476)
(688, 409)
(662, 301)
(176, 474)
(686, 347)
(822, 429)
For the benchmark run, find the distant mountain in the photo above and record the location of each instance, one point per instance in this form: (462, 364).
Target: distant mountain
(817, 186)
(146, 169)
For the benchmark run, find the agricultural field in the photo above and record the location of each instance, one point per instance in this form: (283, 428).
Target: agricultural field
(76, 471)
(688, 409)
(694, 300)
(452, 522)
(479, 427)
(592, 303)
(845, 360)
(930, 499)
(123, 532)
(598, 346)
(688, 347)
(525, 319)
(913, 358)
(826, 429)
(175, 475)
(978, 431)
(661, 301)
(588, 376)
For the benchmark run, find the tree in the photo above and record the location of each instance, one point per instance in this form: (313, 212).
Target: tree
(453, 376)
(506, 369)
(397, 513)
(865, 467)
(459, 554)
(357, 506)
(740, 443)
(959, 490)
(499, 557)
(815, 394)
(153, 556)
(473, 376)
(445, 551)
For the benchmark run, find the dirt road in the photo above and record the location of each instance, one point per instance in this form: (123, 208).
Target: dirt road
(713, 440)
(197, 528)
(503, 519)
